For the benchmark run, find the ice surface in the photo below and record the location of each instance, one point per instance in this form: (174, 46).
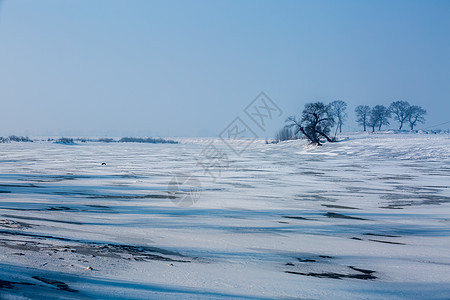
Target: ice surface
(367, 217)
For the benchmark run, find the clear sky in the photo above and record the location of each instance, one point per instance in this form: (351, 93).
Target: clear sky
(188, 68)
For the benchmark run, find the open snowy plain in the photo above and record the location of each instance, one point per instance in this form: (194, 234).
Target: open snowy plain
(367, 217)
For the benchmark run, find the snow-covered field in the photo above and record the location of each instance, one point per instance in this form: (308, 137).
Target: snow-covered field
(367, 217)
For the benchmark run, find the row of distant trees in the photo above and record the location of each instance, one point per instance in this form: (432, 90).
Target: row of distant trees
(318, 119)
(379, 115)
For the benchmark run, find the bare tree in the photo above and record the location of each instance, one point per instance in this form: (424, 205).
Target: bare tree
(416, 115)
(401, 111)
(338, 108)
(316, 122)
(373, 120)
(379, 116)
(363, 113)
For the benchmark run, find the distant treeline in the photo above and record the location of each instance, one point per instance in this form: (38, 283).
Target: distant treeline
(14, 138)
(64, 140)
(146, 140)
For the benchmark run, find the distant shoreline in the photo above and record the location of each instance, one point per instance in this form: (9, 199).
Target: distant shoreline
(65, 140)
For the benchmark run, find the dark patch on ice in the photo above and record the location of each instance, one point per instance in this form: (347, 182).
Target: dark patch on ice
(332, 275)
(5, 192)
(314, 197)
(72, 193)
(138, 253)
(437, 186)
(366, 190)
(296, 218)
(5, 284)
(387, 242)
(325, 256)
(254, 170)
(43, 219)
(380, 234)
(90, 208)
(151, 196)
(313, 258)
(356, 238)
(340, 216)
(305, 259)
(239, 185)
(338, 206)
(397, 177)
(413, 199)
(214, 189)
(390, 206)
(20, 186)
(62, 208)
(313, 173)
(99, 206)
(363, 274)
(59, 284)
(96, 248)
(19, 245)
(50, 178)
(365, 271)
(7, 223)
(423, 190)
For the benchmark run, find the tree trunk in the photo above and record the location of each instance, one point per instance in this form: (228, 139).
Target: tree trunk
(325, 136)
(312, 139)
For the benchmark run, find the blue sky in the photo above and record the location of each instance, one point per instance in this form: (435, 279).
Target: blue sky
(188, 68)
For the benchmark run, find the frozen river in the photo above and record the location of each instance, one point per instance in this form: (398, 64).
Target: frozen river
(367, 217)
